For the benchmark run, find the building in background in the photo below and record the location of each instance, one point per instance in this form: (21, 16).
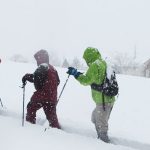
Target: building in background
(147, 68)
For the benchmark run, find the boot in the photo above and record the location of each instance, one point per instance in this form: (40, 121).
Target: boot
(104, 137)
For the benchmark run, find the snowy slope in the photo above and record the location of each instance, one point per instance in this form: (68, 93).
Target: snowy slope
(129, 121)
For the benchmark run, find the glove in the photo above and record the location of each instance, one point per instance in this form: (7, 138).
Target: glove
(24, 80)
(74, 72)
(27, 77)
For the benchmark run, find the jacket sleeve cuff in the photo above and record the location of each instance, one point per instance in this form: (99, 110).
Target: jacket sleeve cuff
(77, 74)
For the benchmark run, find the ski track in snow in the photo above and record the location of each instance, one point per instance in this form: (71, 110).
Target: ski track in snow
(130, 143)
(81, 132)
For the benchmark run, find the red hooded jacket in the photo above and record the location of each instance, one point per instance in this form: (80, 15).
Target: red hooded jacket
(49, 90)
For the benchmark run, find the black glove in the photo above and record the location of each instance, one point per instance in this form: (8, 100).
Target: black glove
(74, 72)
(24, 80)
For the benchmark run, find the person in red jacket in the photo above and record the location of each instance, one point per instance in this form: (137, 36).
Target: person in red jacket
(46, 81)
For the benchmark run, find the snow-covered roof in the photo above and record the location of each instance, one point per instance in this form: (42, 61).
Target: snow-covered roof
(147, 62)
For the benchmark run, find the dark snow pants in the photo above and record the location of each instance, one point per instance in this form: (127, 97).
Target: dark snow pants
(49, 109)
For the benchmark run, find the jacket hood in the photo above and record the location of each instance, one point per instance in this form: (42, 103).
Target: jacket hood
(41, 57)
(91, 55)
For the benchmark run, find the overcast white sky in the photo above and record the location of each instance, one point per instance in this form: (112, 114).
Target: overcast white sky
(69, 26)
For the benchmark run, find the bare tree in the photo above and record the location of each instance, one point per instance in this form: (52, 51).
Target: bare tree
(76, 63)
(65, 63)
(125, 64)
(18, 58)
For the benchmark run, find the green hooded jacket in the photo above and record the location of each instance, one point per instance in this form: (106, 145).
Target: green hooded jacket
(95, 74)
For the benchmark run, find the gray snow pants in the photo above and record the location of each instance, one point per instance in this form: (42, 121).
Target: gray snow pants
(100, 118)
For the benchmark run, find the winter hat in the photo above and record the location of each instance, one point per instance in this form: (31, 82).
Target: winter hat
(41, 57)
(91, 54)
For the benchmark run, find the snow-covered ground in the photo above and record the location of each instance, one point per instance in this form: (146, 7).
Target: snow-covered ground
(129, 124)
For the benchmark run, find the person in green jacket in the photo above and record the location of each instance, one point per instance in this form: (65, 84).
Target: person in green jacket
(96, 74)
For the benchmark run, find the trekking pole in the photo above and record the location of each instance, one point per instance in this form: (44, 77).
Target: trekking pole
(1, 102)
(23, 105)
(63, 88)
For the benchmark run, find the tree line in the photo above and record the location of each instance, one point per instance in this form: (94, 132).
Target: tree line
(122, 63)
